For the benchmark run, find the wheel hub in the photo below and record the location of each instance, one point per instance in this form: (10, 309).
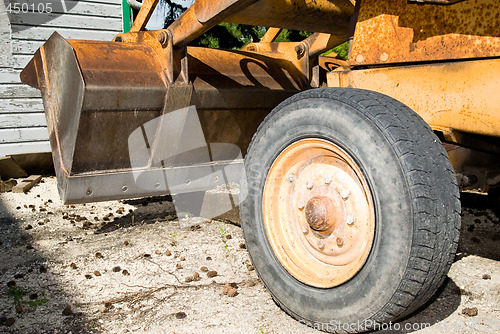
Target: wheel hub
(318, 213)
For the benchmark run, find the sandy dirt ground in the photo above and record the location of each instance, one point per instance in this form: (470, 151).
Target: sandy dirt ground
(135, 267)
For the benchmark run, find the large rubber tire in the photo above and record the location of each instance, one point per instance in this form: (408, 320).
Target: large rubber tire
(415, 199)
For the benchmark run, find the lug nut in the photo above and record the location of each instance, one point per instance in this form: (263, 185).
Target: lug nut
(305, 230)
(350, 220)
(345, 194)
(301, 205)
(340, 241)
(328, 179)
(321, 245)
(310, 185)
(291, 178)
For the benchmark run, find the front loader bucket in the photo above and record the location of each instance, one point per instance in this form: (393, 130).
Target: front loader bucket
(92, 103)
(98, 96)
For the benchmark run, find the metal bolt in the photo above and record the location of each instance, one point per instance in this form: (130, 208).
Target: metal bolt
(163, 38)
(301, 205)
(89, 192)
(345, 194)
(350, 220)
(360, 58)
(291, 178)
(252, 48)
(124, 188)
(310, 185)
(340, 241)
(157, 185)
(305, 230)
(188, 181)
(328, 179)
(384, 57)
(300, 49)
(321, 245)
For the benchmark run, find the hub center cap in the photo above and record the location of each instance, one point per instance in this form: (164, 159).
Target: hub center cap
(319, 213)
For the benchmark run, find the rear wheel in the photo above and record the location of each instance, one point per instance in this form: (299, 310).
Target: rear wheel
(351, 215)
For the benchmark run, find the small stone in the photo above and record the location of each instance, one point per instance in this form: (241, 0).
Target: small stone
(486, 276)
(125, 272)
(73, 265)
(49, 200)
(33, 296)
(67, 310)
(211, 273)
(168, 253)
(178, 266)
(125, 243)
(11, 283)
(252, 283)
(226, 288)
(117, 269)
(41, 223)
(43, 209)
(204, 269)
(19, 309)
(108, 304)
(18, 276)
(86, 225)
(43, 269)
(232, 292)
(243, 246)
(28, 227)
(9, 322)
(147, 255)
(180, 315)
(189, 279)
(18, 208)
(97, 273)
(196, 276)
(251, 267)
(209, 258)
(157, 252)
(182, 258)
(29, 247)
(99, 255)
(229, 236)
(88, 276)
(470, 311)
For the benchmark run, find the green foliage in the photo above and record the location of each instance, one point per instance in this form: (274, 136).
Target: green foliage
(223, 236)
(235, 36)
(16, 293)
(341, 50)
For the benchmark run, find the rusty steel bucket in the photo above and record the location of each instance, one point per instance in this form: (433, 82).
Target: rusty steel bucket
(96, 94)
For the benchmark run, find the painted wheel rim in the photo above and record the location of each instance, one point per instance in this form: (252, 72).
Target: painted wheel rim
(318, 213)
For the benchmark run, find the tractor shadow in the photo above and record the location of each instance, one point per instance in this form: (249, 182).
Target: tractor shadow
(479, 235)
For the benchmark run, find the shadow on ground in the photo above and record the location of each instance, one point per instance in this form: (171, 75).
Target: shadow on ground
(25, 264)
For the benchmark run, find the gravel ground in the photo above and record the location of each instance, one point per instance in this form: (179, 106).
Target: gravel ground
(133, 266)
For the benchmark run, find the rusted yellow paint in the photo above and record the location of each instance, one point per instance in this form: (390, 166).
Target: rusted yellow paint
(397, 31)
(461, 95)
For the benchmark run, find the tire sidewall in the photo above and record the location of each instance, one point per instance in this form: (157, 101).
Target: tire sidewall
(372, 287)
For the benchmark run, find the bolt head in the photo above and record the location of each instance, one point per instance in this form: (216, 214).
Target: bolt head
(321, 245)
(340, 241)
(310, 185)
(350, 220)
(328, 179)
(345, 194)
(301, 204)
(291, 178)
(305, 230)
